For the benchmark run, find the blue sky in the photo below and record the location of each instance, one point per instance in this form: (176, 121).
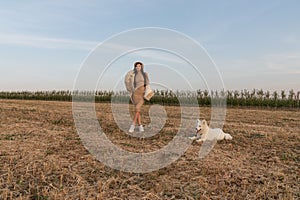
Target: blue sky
(255, 44)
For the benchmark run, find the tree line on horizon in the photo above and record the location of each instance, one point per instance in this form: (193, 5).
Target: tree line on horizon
(254, 98)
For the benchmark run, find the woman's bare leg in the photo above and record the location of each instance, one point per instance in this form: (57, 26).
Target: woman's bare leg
(136, 117)
(139, 119)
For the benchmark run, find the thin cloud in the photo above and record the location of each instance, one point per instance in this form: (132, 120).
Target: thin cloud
(46, 42)
(291, 39)
(156, 54)
(283, 63)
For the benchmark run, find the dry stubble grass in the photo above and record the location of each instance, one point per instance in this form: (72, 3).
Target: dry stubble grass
(41, 157)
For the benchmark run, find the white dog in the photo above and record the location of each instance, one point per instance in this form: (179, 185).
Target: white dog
(208, 133)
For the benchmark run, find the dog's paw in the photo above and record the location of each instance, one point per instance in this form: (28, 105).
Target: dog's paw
(228, 137)
(193, 137)
(200, 140)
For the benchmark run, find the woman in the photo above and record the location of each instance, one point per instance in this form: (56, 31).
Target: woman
(140, 81)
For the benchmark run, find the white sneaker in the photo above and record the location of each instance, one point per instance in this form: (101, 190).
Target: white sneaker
(131, 129)
(141, 128)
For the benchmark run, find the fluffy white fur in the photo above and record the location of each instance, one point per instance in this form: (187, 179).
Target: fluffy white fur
(208, 133)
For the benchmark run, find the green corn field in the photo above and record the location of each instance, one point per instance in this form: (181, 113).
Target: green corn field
(240, 98)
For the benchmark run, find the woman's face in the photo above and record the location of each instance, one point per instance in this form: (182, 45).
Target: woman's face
(138, 67)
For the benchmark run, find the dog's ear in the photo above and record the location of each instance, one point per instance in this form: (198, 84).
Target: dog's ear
(198, 122)
(204, 122)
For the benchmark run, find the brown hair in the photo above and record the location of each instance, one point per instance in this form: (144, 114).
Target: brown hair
(142, 70)
(136, 63)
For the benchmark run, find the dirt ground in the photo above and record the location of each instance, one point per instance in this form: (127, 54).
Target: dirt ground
(42, 157)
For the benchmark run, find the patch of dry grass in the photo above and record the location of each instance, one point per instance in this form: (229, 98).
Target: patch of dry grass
(41, 157)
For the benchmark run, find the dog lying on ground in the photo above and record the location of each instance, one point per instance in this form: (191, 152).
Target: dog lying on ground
(207, 133)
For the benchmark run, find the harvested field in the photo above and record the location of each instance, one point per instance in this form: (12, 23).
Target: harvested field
(42, 157)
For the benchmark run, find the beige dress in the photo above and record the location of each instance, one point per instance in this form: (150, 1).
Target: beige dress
(138, 94)
(138, 98)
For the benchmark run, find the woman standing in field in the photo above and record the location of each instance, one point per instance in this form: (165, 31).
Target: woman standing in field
(138, 80)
